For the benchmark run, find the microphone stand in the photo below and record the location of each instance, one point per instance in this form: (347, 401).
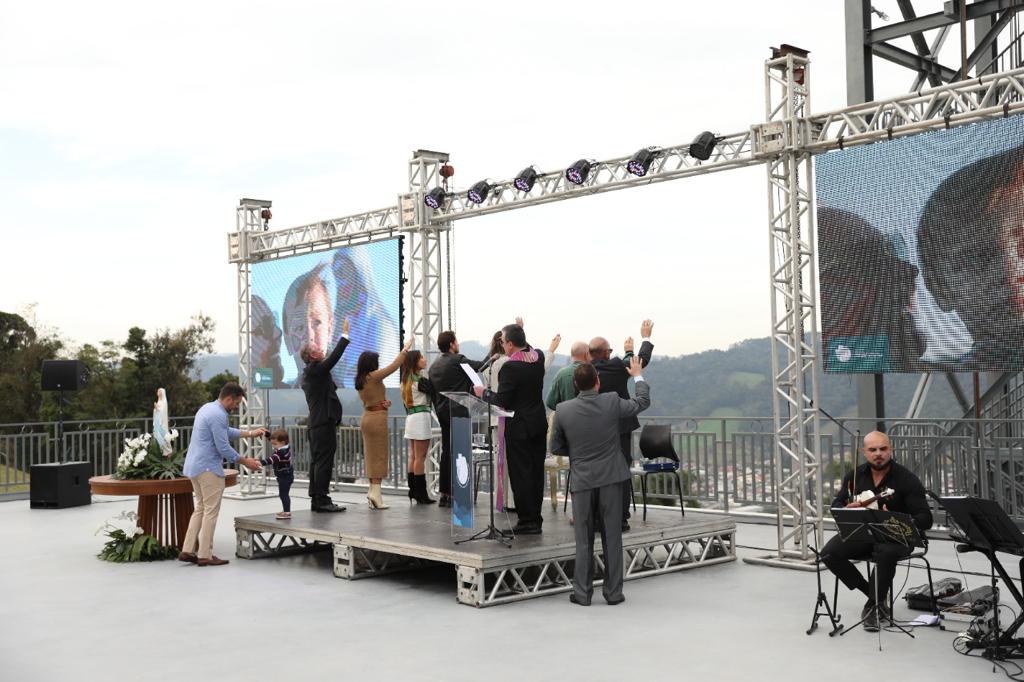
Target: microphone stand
(855, 441)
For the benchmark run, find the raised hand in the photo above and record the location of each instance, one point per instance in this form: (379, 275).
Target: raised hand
(635, 368)
(408, 344)
(519, 321)
(627, 345)
(646, 327)
(344, 326)
(554, 344)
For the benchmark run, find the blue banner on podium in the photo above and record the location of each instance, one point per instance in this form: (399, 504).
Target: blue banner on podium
(462, 472)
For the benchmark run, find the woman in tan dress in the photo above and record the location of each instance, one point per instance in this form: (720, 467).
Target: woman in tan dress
(374, 424)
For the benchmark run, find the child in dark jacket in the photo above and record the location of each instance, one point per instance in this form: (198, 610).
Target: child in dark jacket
(281, 460)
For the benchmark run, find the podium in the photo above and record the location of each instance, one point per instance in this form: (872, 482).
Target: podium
(470, 426)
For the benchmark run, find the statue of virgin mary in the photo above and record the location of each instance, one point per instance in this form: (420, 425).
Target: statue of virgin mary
(161, 431)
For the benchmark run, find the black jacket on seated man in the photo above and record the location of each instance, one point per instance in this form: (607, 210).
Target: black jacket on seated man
(908, 498)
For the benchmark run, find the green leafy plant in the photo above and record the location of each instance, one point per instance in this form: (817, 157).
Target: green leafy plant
(128, 544)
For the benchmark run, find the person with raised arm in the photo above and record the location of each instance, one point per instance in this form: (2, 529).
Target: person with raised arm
(614, 379)
(374, 423)
(586, 429)
(324, 416)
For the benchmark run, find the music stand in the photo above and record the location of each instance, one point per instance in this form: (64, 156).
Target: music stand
(881, 528)
(987, 529)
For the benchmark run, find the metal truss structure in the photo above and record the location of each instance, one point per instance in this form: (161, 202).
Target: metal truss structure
(481, 587)
(796, 460)
(253, 544)
(785, 142)
(252, 411)
(483, 580)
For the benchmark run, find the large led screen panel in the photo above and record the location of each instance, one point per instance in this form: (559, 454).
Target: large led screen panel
(305, 298)
(921, 251)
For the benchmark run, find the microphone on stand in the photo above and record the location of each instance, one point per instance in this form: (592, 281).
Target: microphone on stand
(488, 362)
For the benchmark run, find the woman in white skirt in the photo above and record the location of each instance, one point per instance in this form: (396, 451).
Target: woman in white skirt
(417, 424)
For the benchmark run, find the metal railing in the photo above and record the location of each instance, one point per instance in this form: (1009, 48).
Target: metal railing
(725, 463)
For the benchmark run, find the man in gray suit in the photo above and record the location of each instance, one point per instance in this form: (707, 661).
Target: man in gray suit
(586, 429)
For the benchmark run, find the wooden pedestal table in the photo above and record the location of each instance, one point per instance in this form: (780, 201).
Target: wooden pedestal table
(165, 505)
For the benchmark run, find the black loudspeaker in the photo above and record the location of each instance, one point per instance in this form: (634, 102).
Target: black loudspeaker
(656, 441)
(64, 375)
(55, 486)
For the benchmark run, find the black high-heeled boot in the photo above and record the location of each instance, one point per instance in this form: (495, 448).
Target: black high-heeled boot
(410, 479)
(421, 496)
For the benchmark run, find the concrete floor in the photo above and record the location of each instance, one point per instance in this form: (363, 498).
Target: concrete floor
(66, 615)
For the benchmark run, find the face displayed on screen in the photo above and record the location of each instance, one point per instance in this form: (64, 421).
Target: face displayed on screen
(319, 323)
(944, 211)
(312, 293)
(1011, 238)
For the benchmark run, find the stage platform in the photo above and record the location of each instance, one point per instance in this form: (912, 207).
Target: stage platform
(371, 543)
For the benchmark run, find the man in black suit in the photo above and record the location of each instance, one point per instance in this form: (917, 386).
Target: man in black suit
(446, 374)
(586, 428)
(614, 375)
(521, 390)
(324, 417)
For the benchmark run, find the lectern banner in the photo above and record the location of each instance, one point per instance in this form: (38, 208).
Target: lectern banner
(462, 472)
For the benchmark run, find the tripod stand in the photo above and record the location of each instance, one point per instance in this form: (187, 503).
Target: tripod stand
(823, 602)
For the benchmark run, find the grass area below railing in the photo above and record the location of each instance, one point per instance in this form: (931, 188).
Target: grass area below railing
(12, 480)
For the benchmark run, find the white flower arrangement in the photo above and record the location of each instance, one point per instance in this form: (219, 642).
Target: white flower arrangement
(135, 451)
(127, 541)
(132, 529)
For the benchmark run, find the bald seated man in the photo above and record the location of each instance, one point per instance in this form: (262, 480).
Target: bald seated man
(562, 386)
(877, 473)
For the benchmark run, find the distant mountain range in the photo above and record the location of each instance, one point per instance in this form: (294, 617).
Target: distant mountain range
(735, 382)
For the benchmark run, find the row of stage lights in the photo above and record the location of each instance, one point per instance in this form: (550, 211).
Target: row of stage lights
(701, 148)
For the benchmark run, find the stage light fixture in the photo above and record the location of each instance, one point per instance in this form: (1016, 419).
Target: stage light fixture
(478, 192)
(578, 172)
(641, 162)
(524, 181)
(435, 197)
(703, 145)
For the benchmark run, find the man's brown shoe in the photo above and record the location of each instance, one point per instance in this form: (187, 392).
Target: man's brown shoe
(188, 557)
(212, 561)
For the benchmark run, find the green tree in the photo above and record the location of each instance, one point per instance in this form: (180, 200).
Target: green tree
(124, 377)
(21, 360)
(216, 382)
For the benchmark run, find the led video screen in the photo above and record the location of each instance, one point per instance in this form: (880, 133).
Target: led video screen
(305, 298)
(921, 251)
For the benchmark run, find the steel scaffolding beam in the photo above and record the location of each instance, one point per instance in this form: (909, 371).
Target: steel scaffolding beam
(252, 412)
(427, 272)
(794, 313)
(672, 163)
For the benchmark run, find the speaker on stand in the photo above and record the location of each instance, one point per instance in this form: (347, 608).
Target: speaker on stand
(61, 484)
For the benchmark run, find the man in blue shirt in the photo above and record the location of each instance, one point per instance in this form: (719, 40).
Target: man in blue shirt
(204, 464)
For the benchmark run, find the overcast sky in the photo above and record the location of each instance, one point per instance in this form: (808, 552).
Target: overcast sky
(129, 131)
